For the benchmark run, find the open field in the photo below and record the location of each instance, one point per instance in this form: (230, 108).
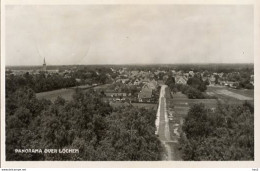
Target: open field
(180, 103)
(234, 95)
(66, 93)
(101, 87)
(52, 95)
(231, 96)
(177, 108)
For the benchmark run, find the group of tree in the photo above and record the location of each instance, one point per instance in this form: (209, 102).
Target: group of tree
(197, 83)
(224, 134)
(39, 82)
(89, 75)
(192, 93)
(243, 78)
(52, 81)
(171, 83)
(99, 131)
(193, 89)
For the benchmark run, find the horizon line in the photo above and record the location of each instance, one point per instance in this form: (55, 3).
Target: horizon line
(128, 64)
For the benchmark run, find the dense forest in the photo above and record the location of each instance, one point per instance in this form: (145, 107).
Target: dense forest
(225, 134)
(99, 131)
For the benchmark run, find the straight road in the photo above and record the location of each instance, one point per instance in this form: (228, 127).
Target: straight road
(162, 124)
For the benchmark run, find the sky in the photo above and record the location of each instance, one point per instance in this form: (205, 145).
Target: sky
(128, 34)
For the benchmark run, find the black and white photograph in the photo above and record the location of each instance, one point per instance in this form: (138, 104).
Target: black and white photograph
(128, 82)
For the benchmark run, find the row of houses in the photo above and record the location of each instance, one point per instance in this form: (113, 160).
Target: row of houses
(145, 95)
(117, 94)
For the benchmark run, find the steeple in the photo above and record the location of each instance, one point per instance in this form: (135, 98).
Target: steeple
(44, 65)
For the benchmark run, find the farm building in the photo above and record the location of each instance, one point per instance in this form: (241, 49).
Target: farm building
(116, 94)
(152, 84)
(229, 84)
(145, 94)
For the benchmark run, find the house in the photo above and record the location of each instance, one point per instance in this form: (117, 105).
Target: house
(53, 71)
(173, 72)
(145, 94)
(165, 77)
(124, 80)
(212, 80)
(221, 75)
(181, 80)
(137, 82)
(157, 72)
(204, 78)
(187, 75)
(134, 73)
(113, 70)
(191, 73)
(179, 73)
(232, 84)
(130, 83)
(222, 83)
(252, 79)
(115, 94)
(78, 80)
(145, 80)
(150, 75)
(160, 82)
(153, 84)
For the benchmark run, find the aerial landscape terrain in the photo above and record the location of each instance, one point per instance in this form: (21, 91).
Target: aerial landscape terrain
(131, 112)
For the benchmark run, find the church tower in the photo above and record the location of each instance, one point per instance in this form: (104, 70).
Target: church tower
(44, 65)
